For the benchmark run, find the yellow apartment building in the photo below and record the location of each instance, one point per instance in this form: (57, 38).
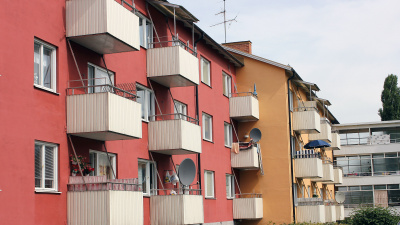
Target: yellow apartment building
(296, 184)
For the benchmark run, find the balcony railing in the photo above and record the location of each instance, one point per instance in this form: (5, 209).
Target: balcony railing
(308, 165)
(244, 106)
(104, 202)
(330, 211)
(104, 26)
(382, 139)
(174, 134)
(327, 171)
(335, 144)
(310, 210)
(245, 159)
(248, 206)
(177, 206)
(339, 212)
(325, 132)
(172, 65)
(103, 112)
(306, 119)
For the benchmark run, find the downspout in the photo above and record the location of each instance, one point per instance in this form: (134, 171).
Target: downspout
(290, 149)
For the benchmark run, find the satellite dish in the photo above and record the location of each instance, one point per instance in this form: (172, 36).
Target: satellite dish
(187, 171)
(340, 197)
(255, 134)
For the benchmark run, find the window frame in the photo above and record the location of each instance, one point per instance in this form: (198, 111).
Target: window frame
(228, 131)
(202, 60)
(212, 196)
(226, 84)
(146, 103)
(231, 194)
(181, 107)
(96, 166)
(145, 20)
(91, 77)
(43, 170)
(150, 187)
(208, 116)
(53, 66)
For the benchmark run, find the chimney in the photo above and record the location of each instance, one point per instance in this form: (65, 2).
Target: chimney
(244, 46)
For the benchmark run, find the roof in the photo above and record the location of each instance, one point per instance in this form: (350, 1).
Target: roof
(364, 125)
(169, 9)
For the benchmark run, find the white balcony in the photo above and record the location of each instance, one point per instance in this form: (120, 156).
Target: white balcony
(174, 136)
(328, 175)
(335, 144)
(306, 118)
(339, 212)
(325, 132)
(104, 26)
(308, 167)
(330, 212)
(310, 210)
(102, 202)
(172, 66)
(244, 107)
(245, 159)
(338, 175)
(104, 116)
(248, 206)
(176, 209)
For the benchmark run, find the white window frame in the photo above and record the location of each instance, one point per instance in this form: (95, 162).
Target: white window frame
(150, 188)
(207, 118)
(96, 166)
(43, 171)
(209, 173)
(144, 31)
(230, 188)
(182, 108)
(147, 102)
(228, 134)
(202, 71)
(92, 81)
(53, 67)
(227, 84)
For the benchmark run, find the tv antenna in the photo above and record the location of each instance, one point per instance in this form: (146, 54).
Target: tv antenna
(225, 21)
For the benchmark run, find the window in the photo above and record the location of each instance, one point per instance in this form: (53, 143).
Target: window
(147, 176)
(290, 100)
(44, 73)
(101, 164)
(207, 127)
(145, 31)
(146, 98)
(181, 108)
(228, 134)
(209, 184)
(226, 84)
(230, 186)
(97, 77)
(205, 71)
(45, 166)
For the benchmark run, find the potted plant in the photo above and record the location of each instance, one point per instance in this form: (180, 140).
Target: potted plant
(74, 172)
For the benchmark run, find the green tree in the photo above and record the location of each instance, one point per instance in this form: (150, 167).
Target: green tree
(374, 216)
(390, 99)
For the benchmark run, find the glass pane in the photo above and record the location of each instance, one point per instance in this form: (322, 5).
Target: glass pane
(394, 197)
(380, 187)
(141, 35)
(49, 167)
(228, 186)
(149, 32)
(207, 127)
(226, 126)
(47, 67)
(148, 98)
(206, 71)
(366, 187)
(36, 63)
(141, 100)
(152, 177)
(354, 188)
(379, 166)
(393, 186)
(209, 188)
(342, 188)
(38, 166)
(142, 176)
(224, 84)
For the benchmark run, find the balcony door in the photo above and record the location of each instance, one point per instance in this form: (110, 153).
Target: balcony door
(98, 77)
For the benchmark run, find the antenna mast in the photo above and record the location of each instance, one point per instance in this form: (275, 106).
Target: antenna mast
(225, 21)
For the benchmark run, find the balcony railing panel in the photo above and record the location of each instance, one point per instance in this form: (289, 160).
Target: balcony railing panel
(328, 175)
(325, 132)
(339, 212)
(306, 119)
(176, 209)
(338, 175)
(245, 159)
(103, 116)
(172, 66)
(244, 107)
(248, 206)
(310, 213)
(310, 167)
(330, 213)
(174, 136)
(104, 26)
(335, 144)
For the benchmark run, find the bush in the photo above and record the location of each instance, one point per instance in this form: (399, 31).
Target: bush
(374, 216)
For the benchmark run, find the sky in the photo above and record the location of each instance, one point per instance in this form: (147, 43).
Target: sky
(346, 47)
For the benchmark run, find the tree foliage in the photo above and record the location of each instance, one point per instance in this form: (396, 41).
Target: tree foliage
(390, 98)
(374, 216)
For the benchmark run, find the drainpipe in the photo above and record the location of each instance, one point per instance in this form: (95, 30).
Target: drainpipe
(291, 154)
(197, 107)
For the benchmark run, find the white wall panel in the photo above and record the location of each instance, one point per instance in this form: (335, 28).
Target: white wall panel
(327, 171)
(330, 213)
(338, 174)
(247, 208)
(339, 212)
(244, 108)
(311, 213)
(306, 121)
(308, 167)
(325, 132)
(245, 159)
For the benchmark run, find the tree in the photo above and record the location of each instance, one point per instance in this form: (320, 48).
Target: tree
(374, 216)
(390, 99)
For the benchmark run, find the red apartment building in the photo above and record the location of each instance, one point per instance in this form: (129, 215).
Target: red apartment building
(134, 87)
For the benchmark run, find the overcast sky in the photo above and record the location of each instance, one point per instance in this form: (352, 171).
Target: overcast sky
(346, 47)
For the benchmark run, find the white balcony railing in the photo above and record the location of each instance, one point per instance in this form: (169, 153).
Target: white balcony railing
(308, 166)
(339, 212)
(248, 206)
(330, 212)
(310, 210)
(174, 134)
(325, 132)
(335, 144)
(244, 106)
(245, 159)
(111, 114)
(104, 26)
(306, 118)
(327, 171)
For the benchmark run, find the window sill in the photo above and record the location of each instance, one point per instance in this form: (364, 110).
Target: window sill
(230, 147)
(48, 192)
(230, 198)
(45, 89)
(207, 85)
(208, 140)
(225, 96)
(210, 198)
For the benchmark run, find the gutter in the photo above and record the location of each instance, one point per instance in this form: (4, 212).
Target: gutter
(290, 149)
